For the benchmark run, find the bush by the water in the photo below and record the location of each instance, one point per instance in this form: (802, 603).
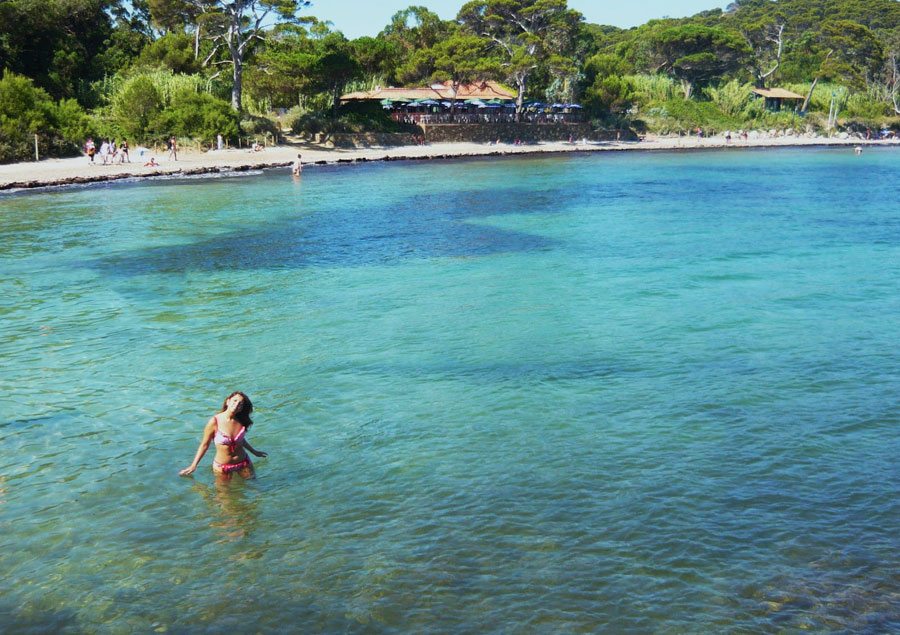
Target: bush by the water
(199, 116)
(368, 116)
(26, 111)
(253, 125)
(732, 105)
(353, 117)
(152, 105)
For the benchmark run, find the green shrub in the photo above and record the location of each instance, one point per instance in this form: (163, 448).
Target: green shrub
(650, 88)
(291, 117)
(860, 106)
(609, 94)
(73, 123)
(254, 125)
(24, 105)
(196, 116)
(821, 98)
(135, 105)
(679, 115)
(367, 116)
(103, 124)
(731, 98)
(166, 84)
(310, 123)
(26, 111)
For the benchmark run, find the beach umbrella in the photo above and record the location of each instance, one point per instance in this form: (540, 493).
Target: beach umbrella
(428, 102)
(557, 105)
(574, 106)
(475, 102)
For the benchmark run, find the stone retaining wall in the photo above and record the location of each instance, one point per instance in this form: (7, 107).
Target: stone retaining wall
(506, 132)
(475, 133)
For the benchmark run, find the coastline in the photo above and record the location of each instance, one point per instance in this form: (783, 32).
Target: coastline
(77, 170)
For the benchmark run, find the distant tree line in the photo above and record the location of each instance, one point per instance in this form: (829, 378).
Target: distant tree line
(147, 69)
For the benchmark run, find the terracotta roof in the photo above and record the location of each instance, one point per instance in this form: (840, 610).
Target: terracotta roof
(777, 93)
(478, 90)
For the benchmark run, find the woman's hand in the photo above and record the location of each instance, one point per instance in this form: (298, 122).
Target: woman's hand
(253, 450)
(261, 454)
(188, 470)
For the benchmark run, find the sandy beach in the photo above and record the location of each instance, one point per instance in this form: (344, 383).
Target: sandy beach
(77, 170)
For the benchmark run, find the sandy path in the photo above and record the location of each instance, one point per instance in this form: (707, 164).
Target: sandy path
(78, 170)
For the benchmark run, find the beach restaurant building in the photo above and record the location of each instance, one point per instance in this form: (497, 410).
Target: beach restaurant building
(479, 102)
(776, 98)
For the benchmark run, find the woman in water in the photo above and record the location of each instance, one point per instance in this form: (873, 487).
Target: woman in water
(228, 429)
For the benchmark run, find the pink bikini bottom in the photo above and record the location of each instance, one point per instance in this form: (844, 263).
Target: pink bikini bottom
(225, 468)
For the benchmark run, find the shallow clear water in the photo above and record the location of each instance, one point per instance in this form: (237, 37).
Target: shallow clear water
(642, 392)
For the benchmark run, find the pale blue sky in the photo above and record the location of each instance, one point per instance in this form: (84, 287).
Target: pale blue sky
(367, 17)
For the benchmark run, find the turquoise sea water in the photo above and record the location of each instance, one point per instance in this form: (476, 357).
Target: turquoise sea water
(635, 392)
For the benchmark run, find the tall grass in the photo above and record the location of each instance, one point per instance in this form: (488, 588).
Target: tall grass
(731, 98)
(821, 97)
(166, 83)
(655, 87)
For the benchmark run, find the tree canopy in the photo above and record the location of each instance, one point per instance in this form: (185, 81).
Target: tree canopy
(525, 34)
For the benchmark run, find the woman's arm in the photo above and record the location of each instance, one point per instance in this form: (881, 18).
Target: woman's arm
(208, 433)
(252, 450)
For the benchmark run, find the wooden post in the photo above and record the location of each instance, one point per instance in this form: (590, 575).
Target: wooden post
(36, 157)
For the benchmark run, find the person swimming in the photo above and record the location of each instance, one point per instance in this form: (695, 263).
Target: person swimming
(228, 431)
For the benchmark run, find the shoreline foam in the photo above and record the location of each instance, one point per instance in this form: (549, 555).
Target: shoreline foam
(77, 170)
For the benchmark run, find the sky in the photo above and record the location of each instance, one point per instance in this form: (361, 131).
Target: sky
(368, 17)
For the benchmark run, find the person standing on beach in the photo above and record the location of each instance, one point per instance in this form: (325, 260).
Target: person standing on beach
(173, 148)
(228, 430)
(91, 150)
(123, 152)
(104, 151)
(298, 167)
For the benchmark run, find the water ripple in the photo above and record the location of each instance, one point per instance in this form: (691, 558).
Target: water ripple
(544, 394)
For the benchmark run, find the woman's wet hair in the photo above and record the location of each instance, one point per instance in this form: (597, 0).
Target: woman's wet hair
(242, 415)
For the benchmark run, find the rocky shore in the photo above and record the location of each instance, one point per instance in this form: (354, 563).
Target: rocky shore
(75, 171)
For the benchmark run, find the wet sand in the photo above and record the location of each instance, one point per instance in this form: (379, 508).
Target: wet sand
(57, 172)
